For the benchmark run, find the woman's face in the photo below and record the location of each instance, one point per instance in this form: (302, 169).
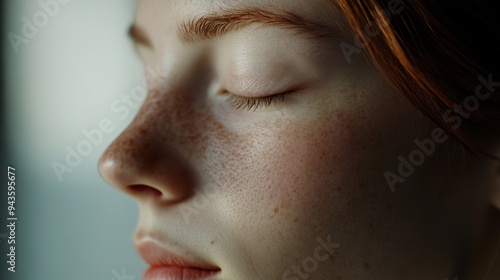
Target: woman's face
(262, 152)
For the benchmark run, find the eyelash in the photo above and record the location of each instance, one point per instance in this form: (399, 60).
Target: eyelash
(254, 103)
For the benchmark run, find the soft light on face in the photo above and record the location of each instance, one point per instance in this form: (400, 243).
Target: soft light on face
(262, 153)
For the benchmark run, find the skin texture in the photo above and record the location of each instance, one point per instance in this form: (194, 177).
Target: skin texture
(251, 191)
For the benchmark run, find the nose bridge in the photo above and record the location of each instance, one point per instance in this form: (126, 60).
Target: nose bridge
(172, 117)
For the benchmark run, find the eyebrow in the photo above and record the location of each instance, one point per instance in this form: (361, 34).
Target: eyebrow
(215, 25)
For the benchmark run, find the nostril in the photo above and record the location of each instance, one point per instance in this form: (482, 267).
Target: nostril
(143, 190)
(144, 171)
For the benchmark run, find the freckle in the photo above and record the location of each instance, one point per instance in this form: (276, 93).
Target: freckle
(212, 242)
(366, 266)
(276, 210)
(129, 142)
(296, 219)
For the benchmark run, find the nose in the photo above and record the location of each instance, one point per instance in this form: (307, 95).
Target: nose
(146, 163)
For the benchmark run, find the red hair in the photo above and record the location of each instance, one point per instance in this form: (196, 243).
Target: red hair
(433, 52)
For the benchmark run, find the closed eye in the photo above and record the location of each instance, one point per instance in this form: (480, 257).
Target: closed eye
(254, 103)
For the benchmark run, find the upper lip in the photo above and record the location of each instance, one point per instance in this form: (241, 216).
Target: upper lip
(156, 253)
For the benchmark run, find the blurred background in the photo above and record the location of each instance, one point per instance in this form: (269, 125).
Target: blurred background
(68, 68)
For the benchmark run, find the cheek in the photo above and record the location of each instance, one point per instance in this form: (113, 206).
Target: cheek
(309, 160)
(312, 175)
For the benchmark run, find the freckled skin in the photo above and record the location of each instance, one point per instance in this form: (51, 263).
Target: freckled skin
(287, 175)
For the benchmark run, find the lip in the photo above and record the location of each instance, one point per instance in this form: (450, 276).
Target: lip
(168, 265)
(177, 273)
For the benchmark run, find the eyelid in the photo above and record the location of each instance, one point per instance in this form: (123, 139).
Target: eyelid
(254, 103)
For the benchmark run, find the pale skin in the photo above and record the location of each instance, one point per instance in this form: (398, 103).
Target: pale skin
(251, 191)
